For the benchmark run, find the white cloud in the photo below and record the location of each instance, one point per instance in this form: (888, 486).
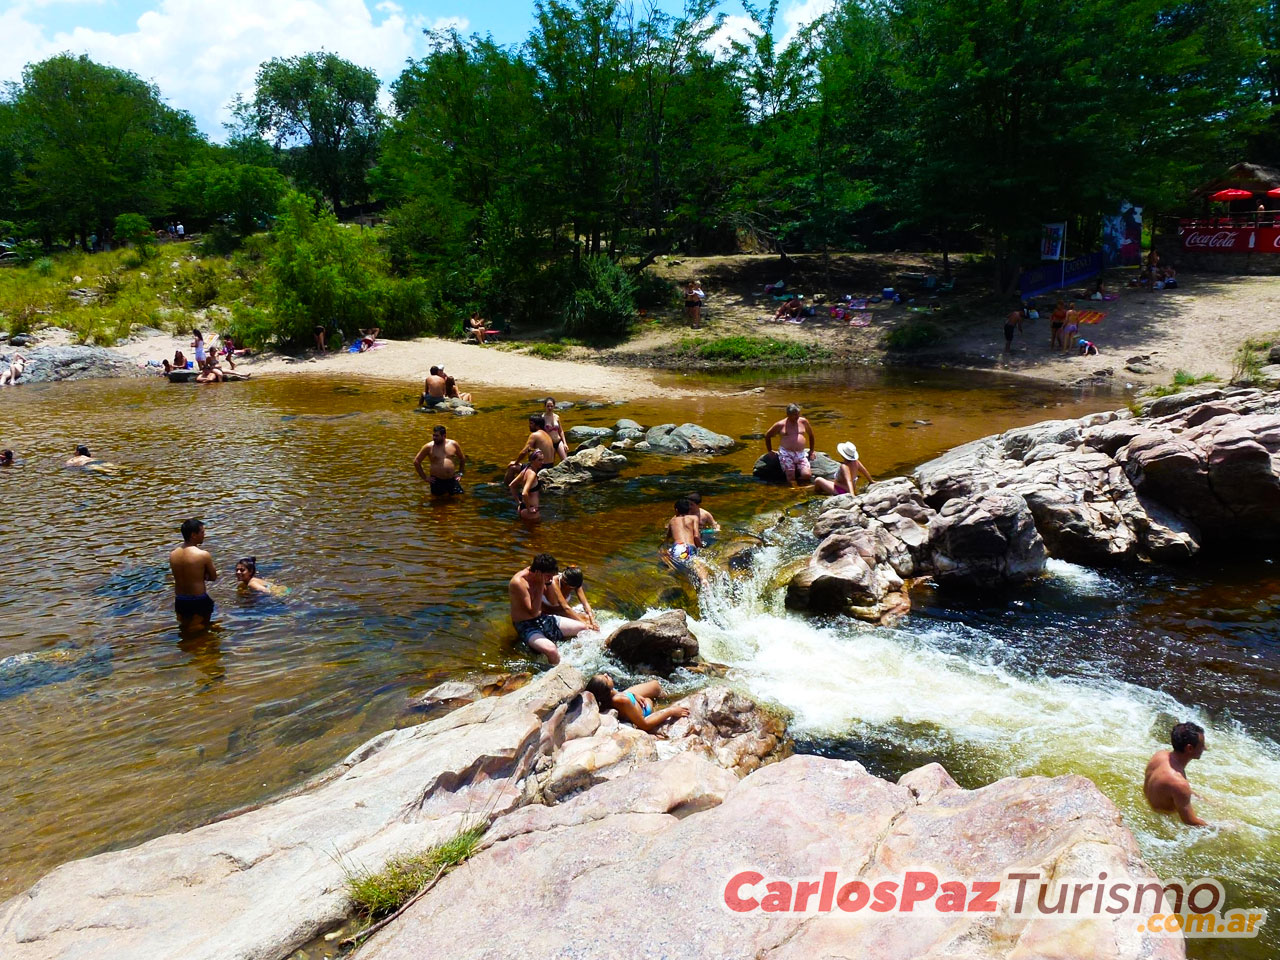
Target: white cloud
(790, 21)
(799, 15)
(201, 53)
(734, 27)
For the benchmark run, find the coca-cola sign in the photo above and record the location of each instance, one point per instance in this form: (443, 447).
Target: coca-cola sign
(1230, 239)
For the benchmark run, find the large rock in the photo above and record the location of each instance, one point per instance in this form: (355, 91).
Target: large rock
(50, 364)
(586, 466)
(768, 469)
(687, 438)
(662, 642)
(729, 728)
(580, 433)
(987, 541)
(638, 867)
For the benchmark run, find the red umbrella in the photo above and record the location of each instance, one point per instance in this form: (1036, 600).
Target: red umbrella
(1274, 192)
(1231, 193)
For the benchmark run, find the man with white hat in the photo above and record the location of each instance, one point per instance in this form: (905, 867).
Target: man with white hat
(847, 476)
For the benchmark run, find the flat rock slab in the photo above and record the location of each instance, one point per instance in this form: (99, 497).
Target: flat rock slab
(637, 867)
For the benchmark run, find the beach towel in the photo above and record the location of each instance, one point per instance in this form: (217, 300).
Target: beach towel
(861, 320)
(1089, 316)
(858, 304)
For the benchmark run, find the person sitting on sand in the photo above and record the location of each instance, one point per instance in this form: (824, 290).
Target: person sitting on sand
(434, 390)
(634, 704)
(539, 631)
(368, 338)
(846, 480)
(685, 536)
(1165, 783)
(448, 463)
(554, 428)
(451, 391)
(566, 584)
(17, 364)
(247, 579)
(6, 458)
(789, 310)
(706, 522)
(526, 488)
(477, 327)
(1087, 348)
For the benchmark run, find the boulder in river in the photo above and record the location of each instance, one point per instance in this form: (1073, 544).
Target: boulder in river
(51, 364)
(581, 433)
(686, 438)
(662, 642)
(769, 470)
(586, 466)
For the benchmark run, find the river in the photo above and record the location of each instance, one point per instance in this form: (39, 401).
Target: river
(114, 730)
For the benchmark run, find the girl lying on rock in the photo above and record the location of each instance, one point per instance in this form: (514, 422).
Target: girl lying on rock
(635, 704)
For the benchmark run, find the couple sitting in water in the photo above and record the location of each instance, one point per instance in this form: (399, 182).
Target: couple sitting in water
(540, 606)
(440, 387)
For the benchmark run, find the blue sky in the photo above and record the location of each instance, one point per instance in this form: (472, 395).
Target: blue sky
(201, 53)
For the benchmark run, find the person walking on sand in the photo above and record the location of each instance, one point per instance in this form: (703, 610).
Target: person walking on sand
(685, 536)
(634, 704)
(539, 631)
(795, 445)
(1012, 324)
(434, 390)
(1165, 783)
(526, 488)
(846, 480)
(192, 568)
(447, 460)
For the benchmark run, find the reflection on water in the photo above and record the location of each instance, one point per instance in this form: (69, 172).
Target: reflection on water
(116, 729)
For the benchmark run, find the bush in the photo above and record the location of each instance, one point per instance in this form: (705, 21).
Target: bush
(43, 266)
(913, 335)
(218, 241)
(134, 229)
(200, 287)
(130, 261)
(547, 351)
(603, 305)
(1246, 366)
(1183, 378)
(752, 350)
(654, 293)
(251, 326)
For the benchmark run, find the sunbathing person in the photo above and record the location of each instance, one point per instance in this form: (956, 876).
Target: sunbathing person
(789, 310)
(846, 480)
(634, 704)
(368, 338)
(209, 372)
(16, 366)
(476, 325)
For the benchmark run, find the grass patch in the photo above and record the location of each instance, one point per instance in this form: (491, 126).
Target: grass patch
(1184, 378)
(751, 350)
(913, 335)
(547, 351)
(378, 895)
(1246, 365)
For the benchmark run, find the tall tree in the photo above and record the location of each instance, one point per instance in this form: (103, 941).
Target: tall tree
(325, 110)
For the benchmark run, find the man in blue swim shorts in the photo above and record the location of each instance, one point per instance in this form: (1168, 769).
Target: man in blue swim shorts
(192, 568)
(539, 631)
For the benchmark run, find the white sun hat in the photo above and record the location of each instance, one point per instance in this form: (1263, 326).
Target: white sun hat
(847, 450)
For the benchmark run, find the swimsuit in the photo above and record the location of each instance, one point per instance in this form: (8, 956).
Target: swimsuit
(545, 627)
(645, 709)
(682, 555)
(840, 489)
(430, 401)
(790, 460)
(190, 605)
(441, 486)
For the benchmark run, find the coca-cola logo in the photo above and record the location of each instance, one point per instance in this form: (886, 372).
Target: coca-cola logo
(1221, 239)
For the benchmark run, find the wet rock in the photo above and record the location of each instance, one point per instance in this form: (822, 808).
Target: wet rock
(727, 728)
(52, 364)
(662, 642)
(580, 433)
(659, 439)
(987, 541)
(591, 465)
(458, 693)
(702, 440)
(630, 433)
(664, 839)
(625, 424)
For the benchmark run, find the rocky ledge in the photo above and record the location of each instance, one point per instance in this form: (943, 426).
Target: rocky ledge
(1196, 471)
(51, 364)
(602, 841)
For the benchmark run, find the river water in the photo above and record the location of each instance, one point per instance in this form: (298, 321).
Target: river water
(113, 729)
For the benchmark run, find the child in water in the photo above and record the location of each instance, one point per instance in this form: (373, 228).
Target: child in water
(248, 581)
(685, 534)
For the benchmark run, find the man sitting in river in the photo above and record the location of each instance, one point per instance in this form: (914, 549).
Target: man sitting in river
(192, 568)
(434, 390)
(1165, 784)
(539, 631)
(447, 463)
(795, 445)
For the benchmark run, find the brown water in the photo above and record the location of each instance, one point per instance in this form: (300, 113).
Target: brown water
(113, 730)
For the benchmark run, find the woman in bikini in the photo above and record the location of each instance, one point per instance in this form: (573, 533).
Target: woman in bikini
(847, 478)
(635, 704)
(555, 428)
(1072, 327)
(451, 391)
(1057, 320)
(526, 488)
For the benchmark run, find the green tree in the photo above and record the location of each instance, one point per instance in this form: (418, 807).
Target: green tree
(134, 229)
(324, 110)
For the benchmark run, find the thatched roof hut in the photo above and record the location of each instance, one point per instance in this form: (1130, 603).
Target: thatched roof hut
(1242, 176)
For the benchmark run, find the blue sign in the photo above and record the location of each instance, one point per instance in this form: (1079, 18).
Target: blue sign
(1052, 276)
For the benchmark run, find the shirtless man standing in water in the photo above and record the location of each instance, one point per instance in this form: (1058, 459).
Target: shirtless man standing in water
(447, 463)
(192, 567)
(795, 445)
(1165, 785)
(539, 631)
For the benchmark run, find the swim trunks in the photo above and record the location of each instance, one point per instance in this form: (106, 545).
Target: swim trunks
(790, 460)
(545, 627)
(442, 486)
(186, 605)
(429, 401)
(1008, 332)
(682, 556)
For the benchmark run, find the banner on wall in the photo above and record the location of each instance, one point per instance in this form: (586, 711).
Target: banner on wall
(1122, 237)
(1052, 240)
(1046, 277)
(1206, 239)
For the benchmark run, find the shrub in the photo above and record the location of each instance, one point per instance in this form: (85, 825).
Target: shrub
(251, 326)
(1182, 378)
(376, 895)
(603, 305)
(130, 261)
(655, 293)
(134, 229)
(200, 287)
(547, 351)
(752, 350)
(218, 241)
(913, 335)
(43, 266)
(1246, 366)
